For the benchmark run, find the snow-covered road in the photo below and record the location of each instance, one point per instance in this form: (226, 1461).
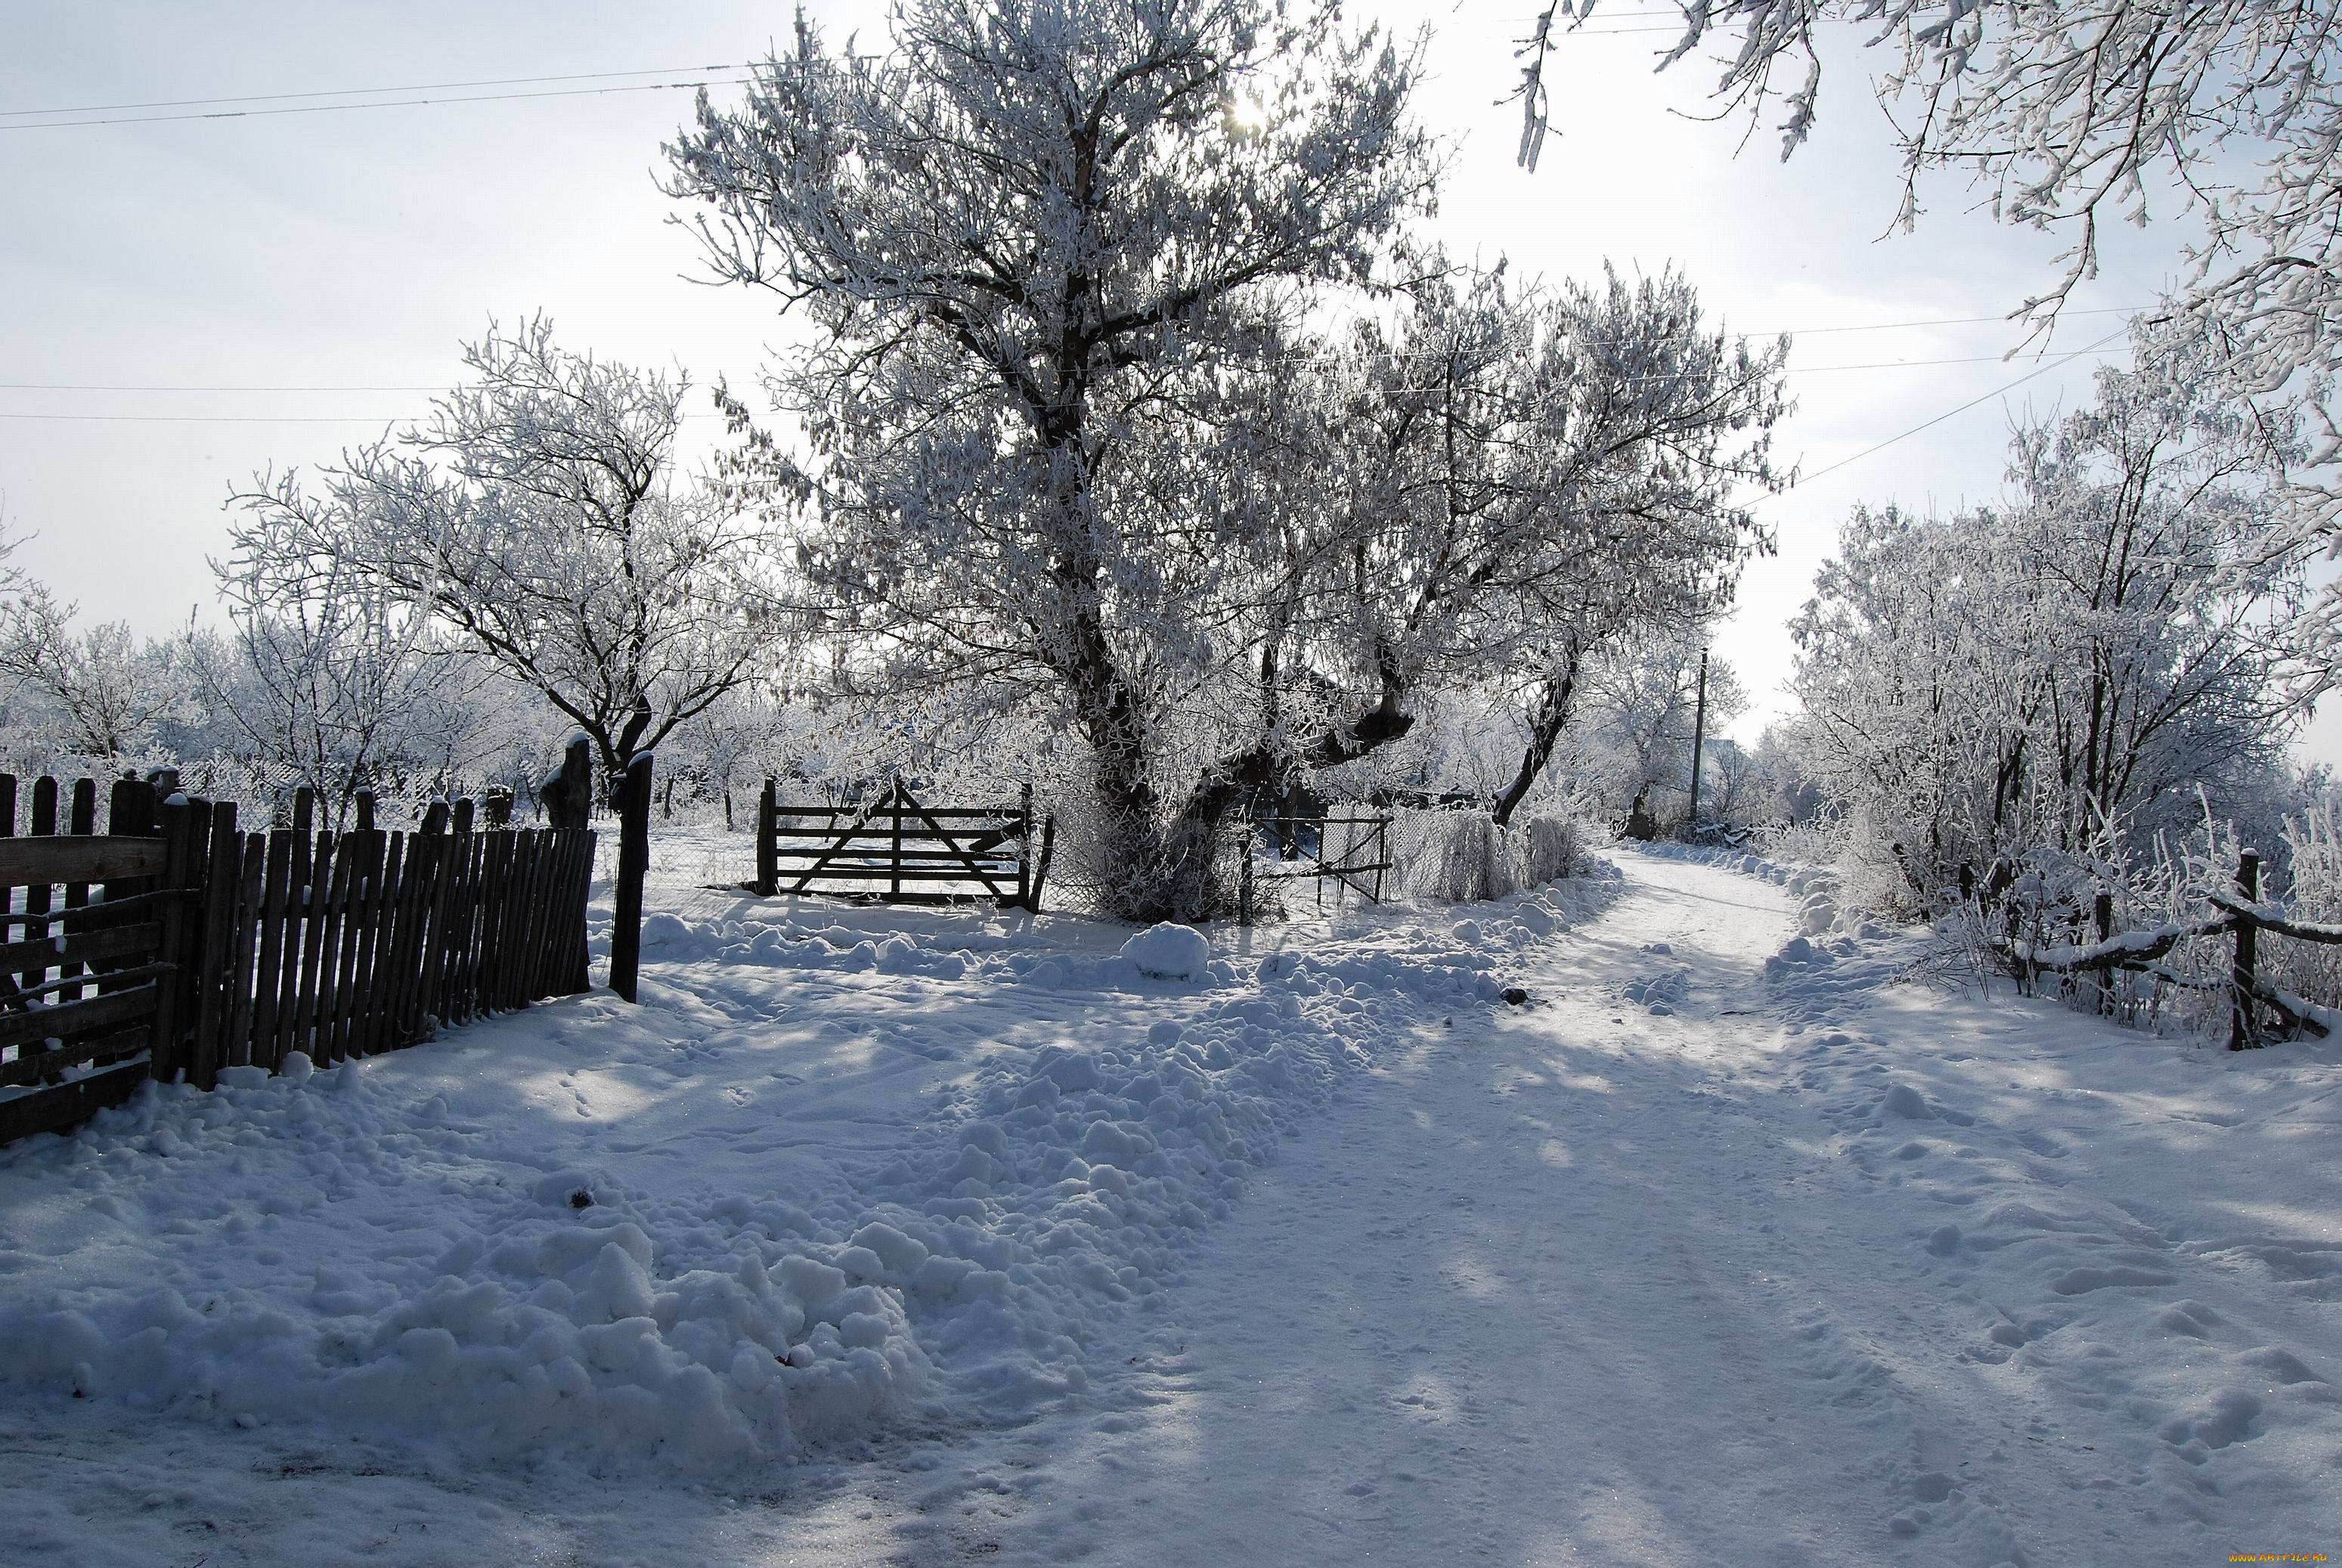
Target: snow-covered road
(1681, 1262)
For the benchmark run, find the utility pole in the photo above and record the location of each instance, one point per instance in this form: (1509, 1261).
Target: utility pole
(1698, 737)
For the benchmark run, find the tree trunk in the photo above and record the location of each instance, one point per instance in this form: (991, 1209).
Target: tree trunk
(1552, 716)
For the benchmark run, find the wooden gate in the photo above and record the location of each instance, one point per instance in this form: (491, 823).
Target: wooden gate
(90, 988)
(893, 849)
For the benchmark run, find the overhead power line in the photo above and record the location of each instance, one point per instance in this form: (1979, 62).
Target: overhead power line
(375, 104)
(2042, 369)
(361, 92)
(189, 389)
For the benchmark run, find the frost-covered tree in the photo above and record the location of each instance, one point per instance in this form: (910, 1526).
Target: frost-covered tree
(2075, 115)
(1046, 250)
(1516, 479)
(325, 678)
(1632, 749)
(2071, 668)
(537, 520)
(99, 693)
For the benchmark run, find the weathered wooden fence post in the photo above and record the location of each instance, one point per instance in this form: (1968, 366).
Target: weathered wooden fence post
(895, 851)
(568, 793)
(1025, 848)
(2240, 979)
(769, 847)
(1243, 876)
(634, 865)
(181, 876)
(1041, 865)
(2102, 915)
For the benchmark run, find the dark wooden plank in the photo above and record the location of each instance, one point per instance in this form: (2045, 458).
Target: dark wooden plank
(511, 985)
(237, 1040)
(455, 929)
(80, 821)
(299, 896)
(38, 899)
(418, 897)
(482, 892)
(7, 805)
(315, 1025)
(74, 857)
(995, 865)
(88, 950)
(366, 918)
(132, 809)
(382, 963)
(218, 942)
(495, 867)
(512, 943)
(72, 1018)
(545, 936)
(68, 987)
(430, 955)
(380, 960)
(529, 908)
(66, 1107)
(183, 821)
(454, 941)
(400, 934)
(91, 1052)
(268, 982)
(96, 916)
(1000, 813)
(576, 979)
(342, 953)
(909, 874)
(552, 934)
(881, 830)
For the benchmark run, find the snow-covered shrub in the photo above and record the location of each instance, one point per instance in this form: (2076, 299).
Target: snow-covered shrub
(2313, 892)
(1450, 856)
(1462, 857)
(1550, 848)
(1820, 841)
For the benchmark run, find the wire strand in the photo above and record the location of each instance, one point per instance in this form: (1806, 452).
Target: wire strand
(360, 92)
(381, 104)
(1804, 479)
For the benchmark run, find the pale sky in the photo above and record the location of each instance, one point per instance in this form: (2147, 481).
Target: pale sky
(356, 248)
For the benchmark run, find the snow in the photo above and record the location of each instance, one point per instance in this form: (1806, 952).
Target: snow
(880, 1236)
(1169, 952)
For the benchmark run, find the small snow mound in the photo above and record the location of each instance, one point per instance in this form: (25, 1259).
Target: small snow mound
(1907, 1102)
(1169, 952)
(665, 931)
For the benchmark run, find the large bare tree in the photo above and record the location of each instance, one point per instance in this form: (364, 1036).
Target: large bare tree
(536, 519)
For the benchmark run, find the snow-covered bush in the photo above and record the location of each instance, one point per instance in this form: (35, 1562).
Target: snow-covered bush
(2313, 892)
(2073, 669)
(1464, 857)
(1550, 849)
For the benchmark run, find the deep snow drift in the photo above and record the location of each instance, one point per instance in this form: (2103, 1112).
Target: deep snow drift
(876, 1235)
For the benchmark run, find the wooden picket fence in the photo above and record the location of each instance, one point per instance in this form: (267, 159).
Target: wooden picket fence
(183, 946)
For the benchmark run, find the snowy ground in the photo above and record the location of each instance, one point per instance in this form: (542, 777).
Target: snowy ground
(877, 1236)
